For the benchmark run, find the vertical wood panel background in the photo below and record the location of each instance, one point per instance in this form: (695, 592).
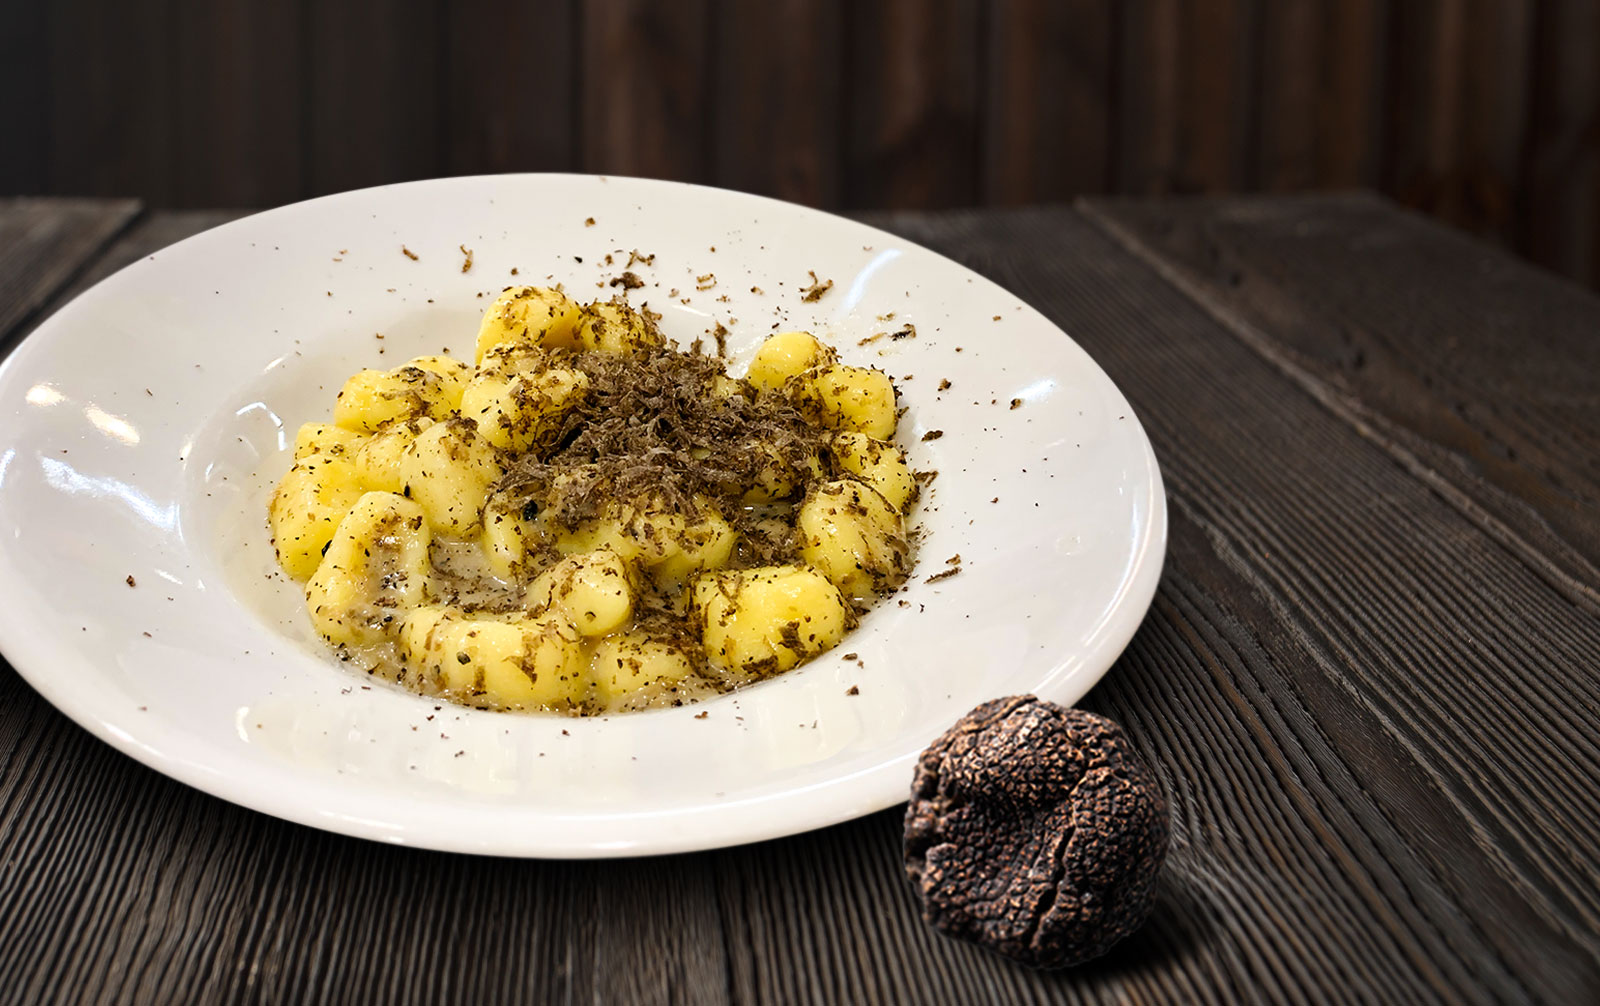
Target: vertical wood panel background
(1485, 113)
(778, 84)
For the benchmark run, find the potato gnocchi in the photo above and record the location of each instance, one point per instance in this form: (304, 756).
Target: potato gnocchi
(589, 520)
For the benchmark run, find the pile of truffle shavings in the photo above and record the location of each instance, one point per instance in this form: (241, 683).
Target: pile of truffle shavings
(655, 428)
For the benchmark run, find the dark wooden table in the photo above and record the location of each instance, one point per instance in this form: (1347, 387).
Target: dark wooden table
(1370, 681)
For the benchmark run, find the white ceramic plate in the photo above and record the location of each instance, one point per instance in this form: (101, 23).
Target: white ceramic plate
(147, 421)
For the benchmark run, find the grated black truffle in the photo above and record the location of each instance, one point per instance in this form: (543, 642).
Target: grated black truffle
(653, 426)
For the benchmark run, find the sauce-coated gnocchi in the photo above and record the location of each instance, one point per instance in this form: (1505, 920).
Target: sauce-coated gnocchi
(589, 520)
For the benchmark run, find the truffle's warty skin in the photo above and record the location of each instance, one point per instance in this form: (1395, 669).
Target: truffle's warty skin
(1035, 831)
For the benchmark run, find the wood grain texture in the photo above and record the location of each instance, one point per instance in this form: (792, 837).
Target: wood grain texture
(1288, 39)
(1216, 113)
(1480, 368)
(111, 90)
(1375, 722)
(1352, 81)
(1460, 73)
(778, 84)
(1496, 73)
(373, 97)
(1561, 168)
(1472, 667)
(1480, 112)
(1148, 44)
(509, 82)
(1046, 126)
(240, 75)
(645, 88)
(43, 244)
(1424, 107)
(25, 120)
(911, 108)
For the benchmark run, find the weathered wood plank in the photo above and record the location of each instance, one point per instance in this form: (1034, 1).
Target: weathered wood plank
(1286, 143)
(43, 244)
(1479, 366)
(1149, 41)
(777, 78)
(1561, 175)
(1477, 111)
(1326, 686)
(1459, 82)
(111, 92)
(1046, 115)
(1497, 71)
(644, 83)
(912, 116)
(120, 885)
(24, 119)
(1280, 887)
(240, 92)
(509, 79)
(1470, 669)
(1216, 104)
(374, 94)
(1351, 85)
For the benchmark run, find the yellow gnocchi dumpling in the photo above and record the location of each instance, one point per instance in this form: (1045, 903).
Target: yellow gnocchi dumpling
(629, 669)
(508, 528)
(673, 547)
(378, 460)
(781, 477)
(375, 569)
(878, 463)
(592, 589)
(427, 386)
(519, 663)
(758, 622)
(667, 545)
(602, 532)
(453, 376)
(448, 469)
(310, 501)
(326, 438)
(787, 355)
(614, 327)
(520, 412)
(852, 398)
(851, 534)
(513, 359)
(530, 315)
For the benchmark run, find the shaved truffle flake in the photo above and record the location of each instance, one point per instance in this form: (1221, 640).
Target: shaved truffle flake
(817, 288)
(1035, 831)
(650, 427)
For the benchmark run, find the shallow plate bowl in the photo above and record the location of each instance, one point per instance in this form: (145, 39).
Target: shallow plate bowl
(148, 420)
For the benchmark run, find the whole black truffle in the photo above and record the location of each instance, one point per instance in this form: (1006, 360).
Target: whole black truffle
(1035, 831)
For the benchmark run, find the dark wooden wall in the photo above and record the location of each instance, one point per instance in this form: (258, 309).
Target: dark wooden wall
(1484, 112)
